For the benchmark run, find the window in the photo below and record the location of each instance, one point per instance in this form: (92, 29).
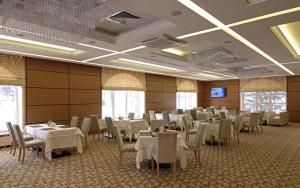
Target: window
(117, 103)
(266, 101)
(10, 106)
(186, 100)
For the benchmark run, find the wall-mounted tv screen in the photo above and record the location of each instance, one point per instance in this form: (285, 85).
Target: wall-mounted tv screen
(217, 92)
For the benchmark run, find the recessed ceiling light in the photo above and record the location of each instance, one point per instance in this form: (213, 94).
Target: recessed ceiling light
(96, 47)
(174, 51)
(208, 75)
(292, 35)
(221, 74)
(37, 43)
(203, 13)
(147, 64)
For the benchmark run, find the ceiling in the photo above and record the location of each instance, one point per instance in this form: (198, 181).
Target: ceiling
(227, 55)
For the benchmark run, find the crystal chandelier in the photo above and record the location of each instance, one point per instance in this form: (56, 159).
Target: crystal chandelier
(67, 20)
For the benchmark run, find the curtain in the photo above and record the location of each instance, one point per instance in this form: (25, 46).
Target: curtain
(113, 79)
(278, 83)
(12, 70)
(186, 85)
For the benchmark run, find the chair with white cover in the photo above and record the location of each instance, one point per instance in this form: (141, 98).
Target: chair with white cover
(194, 114)
(130, 115)
(96, 128)
(123, 148)
(223, 115)
(165, 151)
(146, 117)
(200, 109)
(13, 138)
(74, 121)
(85, 128)
(157, 124)
(152, 115)
(236, 127)
(253, 123)
(179, 111)
(22, 144)
(110, 128)
(167, 122)
(188, 127)
(281, 120)
(261, 119)
(196, 145)
(225, 131)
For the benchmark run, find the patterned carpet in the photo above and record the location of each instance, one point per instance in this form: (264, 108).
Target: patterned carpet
(263, 159)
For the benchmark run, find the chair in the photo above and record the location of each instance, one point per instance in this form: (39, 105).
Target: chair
(123, 148)
(110, 128)
(223, 115)
(188, 127)
(85, 128)
(253, 122)
(96, 127)
(225, 131)
(130, 115)
(74, 121)
(179, 111)
(281, 120)
(198, 142)
(165, 151)
(200, 109)
(261, 119)
(13, 138)
(194, 114)
(236, 127)
(157, 124)
(167, 121)
(152, 115)
(146, 117)
(22, 144)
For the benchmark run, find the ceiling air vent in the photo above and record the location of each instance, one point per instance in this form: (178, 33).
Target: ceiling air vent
(253, 2)
(163, 42)
(122, 16)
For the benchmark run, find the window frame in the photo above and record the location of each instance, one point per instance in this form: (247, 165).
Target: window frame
(185, 105)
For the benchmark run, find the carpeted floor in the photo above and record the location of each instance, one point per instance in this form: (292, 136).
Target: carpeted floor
(263, 159)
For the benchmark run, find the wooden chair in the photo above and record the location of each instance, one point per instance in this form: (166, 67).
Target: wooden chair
(236, 127)
(253, 123)
(74, 121)
(225, 131)
(146, 117)
(167, 122)
(196, 146)
(188, 127)
(130, 115)
(85, 128)
(157, 124)
(165, 152)
(123, 148)
(95, 126)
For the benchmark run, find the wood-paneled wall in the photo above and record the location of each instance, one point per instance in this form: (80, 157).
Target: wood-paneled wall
(161, 93)
(293, 98)
(57, 90)
(231, 101)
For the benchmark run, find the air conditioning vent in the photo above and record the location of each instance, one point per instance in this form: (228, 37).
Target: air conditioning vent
(165, 41)
(121, 17)
(253, 2)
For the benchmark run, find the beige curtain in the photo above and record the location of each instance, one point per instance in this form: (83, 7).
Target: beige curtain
(186, 85)
(113, 79)
(12, 70)
(277, 83)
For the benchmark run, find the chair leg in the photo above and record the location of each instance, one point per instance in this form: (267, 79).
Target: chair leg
(20, 152)
(219, 142)
(198, 155)
(38, 151)
(195, 154)
(174, 168)
(11, 147)
(23, 155)
(157, 169)
(15, 148)
(86, 143)
(152, 164)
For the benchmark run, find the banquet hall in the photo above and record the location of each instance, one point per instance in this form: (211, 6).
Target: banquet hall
(137, 93)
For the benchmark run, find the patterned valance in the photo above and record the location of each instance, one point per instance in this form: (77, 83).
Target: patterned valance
(12, 70)
(277, 83)
(186, 85)
(113, 79)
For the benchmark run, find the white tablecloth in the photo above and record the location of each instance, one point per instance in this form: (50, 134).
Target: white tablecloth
(131, 126)
(179, 119)
(212, 130)
(204, 115)
(146, 144)
(56, 139)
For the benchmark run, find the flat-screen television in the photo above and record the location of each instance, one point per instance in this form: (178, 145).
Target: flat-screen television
(217, 92)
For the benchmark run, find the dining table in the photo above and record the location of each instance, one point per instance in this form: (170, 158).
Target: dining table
(56, 137)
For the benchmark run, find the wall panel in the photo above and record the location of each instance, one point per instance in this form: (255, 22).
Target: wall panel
(293, 97)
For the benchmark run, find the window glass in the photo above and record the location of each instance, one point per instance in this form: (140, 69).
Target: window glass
(186, 100)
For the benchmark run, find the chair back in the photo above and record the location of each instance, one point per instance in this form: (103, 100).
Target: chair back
(110, 126)
(284, 116)
(200, 109)
(74, 121)
(261, 117)
(237, 123)
(157, 124)
(19, 135)
(200, 135)
(85, 126)
(223, 115)
(254, 119)
(166, 117)
(225, 128)
(152, 115)
(146, 117)
(194, 114)
(179, 111)
(94, 123)
(166, 147)
(130, 115)
(187, 122)
(118, 137)
(12, 135)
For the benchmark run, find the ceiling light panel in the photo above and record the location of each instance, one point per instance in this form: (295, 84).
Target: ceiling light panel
(201, 12)
(174, 51)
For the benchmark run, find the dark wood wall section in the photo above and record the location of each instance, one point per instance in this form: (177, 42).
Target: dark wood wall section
(57, 90)
(201, 93)
(161, 93)
(231, 101)
(293, 98)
